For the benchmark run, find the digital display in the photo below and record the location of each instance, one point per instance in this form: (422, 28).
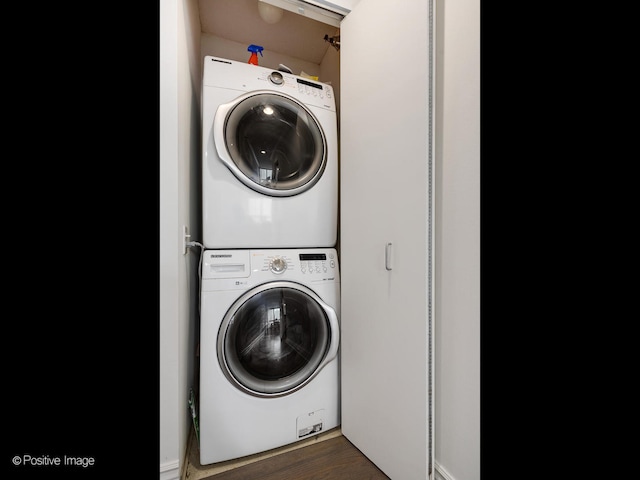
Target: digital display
(312, 256)
(311, 84)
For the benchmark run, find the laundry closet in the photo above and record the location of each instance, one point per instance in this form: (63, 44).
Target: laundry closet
(385, 103)
(386, 230)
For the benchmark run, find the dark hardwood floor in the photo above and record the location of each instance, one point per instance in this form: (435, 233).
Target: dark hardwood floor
(332, 459)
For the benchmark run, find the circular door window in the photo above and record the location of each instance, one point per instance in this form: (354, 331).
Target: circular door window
(273, 339)
(276, 145)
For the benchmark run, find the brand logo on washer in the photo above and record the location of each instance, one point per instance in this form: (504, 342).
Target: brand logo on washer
(220, 256)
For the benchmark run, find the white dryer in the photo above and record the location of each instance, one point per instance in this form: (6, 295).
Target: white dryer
(269, 158)
(269, 338)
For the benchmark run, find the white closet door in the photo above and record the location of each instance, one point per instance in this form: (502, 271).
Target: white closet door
(386, 234)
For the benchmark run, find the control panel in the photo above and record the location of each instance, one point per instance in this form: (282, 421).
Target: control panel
(304, 87)
(317, 263)
(241, 269)
(313, 264)
(242, 76)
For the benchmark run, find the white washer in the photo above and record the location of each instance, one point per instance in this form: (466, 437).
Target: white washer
(269, 158)
(269, 338)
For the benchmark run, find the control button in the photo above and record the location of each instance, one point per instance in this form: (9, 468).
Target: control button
(333, 264)
(278, 265)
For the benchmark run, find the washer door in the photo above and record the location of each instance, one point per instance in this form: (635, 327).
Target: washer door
(271, 143)
(275, 338)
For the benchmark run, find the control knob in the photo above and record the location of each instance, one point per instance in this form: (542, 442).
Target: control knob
(278, 265)
(276, 78)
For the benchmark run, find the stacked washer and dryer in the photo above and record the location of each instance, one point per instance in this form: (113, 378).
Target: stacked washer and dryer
(270, 284)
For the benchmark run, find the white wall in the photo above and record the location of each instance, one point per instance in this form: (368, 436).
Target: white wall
(169, 295)
(179, 205)
(457, 404)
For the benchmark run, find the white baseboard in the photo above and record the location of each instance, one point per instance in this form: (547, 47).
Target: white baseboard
(170, 470)
(441, 473)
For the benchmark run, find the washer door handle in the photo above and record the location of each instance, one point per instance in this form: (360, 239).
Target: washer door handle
(334, 327)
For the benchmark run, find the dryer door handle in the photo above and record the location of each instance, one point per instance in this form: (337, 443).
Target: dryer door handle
(218, 136)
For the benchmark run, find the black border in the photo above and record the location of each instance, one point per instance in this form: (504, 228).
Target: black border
(82, 186)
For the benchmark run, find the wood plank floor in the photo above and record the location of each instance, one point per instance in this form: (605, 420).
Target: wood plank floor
(332, 459)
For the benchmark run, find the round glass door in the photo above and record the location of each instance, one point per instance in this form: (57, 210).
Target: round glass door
(273, 339)
(275, 144)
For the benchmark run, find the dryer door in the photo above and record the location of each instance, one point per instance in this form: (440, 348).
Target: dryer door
(275, 338)
(271, 143)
